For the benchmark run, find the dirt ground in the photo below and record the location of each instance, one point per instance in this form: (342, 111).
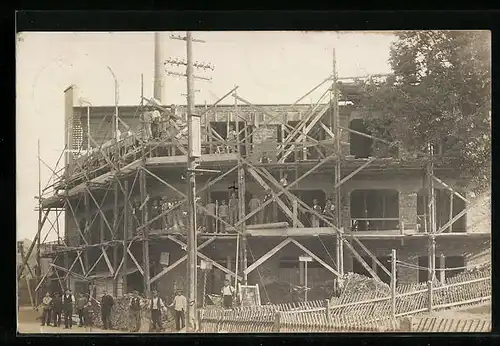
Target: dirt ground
(27, 323)
(476, 312)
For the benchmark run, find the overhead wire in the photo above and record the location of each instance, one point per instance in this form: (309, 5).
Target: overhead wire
(416, 266)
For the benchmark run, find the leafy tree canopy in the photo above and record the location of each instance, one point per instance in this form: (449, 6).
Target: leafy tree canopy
(439, 93)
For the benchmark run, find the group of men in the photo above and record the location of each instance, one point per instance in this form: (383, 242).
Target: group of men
(154, 122)
(212, 217)
(61, 307)
(157, 308)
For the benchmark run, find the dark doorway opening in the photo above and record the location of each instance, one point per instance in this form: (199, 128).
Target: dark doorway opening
(454, 262)
(374, 210)
(423, 271)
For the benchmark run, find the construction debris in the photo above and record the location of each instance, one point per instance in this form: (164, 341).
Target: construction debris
(120, 319)
(356, 283)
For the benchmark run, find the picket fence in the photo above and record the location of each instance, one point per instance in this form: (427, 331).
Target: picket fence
(447, 325)
(366, 312)
(410, 299)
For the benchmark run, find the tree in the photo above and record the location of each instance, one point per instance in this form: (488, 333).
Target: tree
(439, 93)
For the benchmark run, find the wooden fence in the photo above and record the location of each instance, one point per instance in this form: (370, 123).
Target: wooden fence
(380, 312)
(410, 299)
(446, 325)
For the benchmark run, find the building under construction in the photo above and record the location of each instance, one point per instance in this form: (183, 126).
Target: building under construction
(274, 182)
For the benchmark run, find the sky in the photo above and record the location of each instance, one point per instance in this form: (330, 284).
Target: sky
(268, 67)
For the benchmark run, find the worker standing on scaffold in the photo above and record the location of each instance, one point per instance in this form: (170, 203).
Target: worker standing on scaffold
(233, 209)
(231, 137)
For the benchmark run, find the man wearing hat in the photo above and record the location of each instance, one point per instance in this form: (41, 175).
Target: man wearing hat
(156, 306)
(68, 301)
(180, 306)
(107, 303)
(135, 312)
(149, 116)
(227, 295)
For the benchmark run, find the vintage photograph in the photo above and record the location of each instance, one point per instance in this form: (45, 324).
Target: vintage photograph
(253, 182)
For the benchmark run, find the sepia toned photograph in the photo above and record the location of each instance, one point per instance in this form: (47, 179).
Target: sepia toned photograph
(253, 182)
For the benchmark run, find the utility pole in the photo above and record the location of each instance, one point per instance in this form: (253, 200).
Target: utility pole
(38, 259)
(432, 214)
(337, 149)
(191, 241)
(393, 283)
(194, 151)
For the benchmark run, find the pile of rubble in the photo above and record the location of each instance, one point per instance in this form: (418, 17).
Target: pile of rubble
(356, 287)
(353, 283)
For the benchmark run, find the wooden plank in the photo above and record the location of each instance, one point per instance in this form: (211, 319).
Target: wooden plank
(135, 262)
(450, 189)
(319, 260)
(304, 133)
(94, 265)
(205, 158)
(374, 258)
(267, 255)
(353, 173)
(108, 262)
(269, 225)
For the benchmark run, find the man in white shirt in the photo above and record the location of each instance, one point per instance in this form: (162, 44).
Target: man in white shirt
(47, 309)
(149, 116)
(156, 306)
(180, 307)
(227, 295)
(284, 180)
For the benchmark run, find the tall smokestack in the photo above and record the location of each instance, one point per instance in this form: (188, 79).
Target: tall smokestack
(158, 78)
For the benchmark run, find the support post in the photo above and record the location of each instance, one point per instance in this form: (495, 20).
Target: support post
(241, 215)
(393, 283)
(432, 214)
(340, 254)
(442, 276)
(337, 150)
(126, 219)
(145, 234)
(432, 258)
(115, 230)
(38, 272)
(451, 211)
(295, 213)
(305, 281)
(191, 239)
(86, 232)
(430, 291)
